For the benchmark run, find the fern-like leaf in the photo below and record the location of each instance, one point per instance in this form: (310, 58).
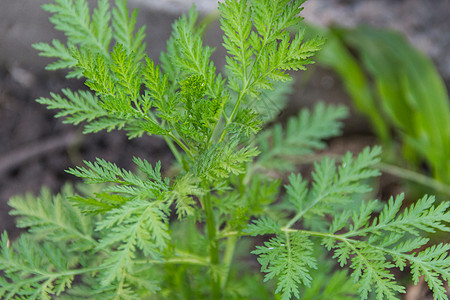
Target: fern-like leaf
(74, 19)
(60, 51)
(124, 26)
(76, 107)
(303, 135)
(259, 57)
(137, 224)
(32, 270)
(182, 194)
(127, 183)
(128, 73)
(222, 160)
(235, 23)
(53, 218)
(331, 185)
(389, 236)
(190, 56)
(288, 258)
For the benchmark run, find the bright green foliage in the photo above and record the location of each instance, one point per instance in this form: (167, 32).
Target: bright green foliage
(288, 259)
(331, 186)
(74, 19)
(45, 264)
(136, 224)
(57, 49)
(77, 107)
(53, 218)
(267, 51)
(304, 134)
(370, 246)
(222, 160)
(123, 26)
(331, 190)
(61, 244)
(114, 77)
(128, 183)
(373, 247)
(142, 235)
(187, 55)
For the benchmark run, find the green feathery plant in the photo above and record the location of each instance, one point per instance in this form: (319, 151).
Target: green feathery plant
(140, 235)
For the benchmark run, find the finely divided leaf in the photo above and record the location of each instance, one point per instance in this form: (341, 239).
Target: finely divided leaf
(288, 258)
(302, 135)
(263, 226)
(221, 160)
(138, 224)
(32, 270)
(124, 26)
(389, 236)
(60, 51)
(76, 107)
(236, 25)
(73, 18)
(331, 186)
(53, 218)
(126, 182)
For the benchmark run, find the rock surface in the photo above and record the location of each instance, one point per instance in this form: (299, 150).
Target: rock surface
(177, 6)
(425, 23)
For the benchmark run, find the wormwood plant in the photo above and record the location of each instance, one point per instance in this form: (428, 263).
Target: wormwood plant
(139, 235)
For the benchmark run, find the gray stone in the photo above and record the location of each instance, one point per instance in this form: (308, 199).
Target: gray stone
(426, 24)
(176, 6)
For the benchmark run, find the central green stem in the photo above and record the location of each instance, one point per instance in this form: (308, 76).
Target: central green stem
(228, 258)
(213, 247)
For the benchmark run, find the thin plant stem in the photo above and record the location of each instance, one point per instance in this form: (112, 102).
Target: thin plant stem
(228, 258)
(236, 106)
(181, 144)
(175, 260)
(174, 150)
(415, 177)
(397, 171)
(213, 246)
